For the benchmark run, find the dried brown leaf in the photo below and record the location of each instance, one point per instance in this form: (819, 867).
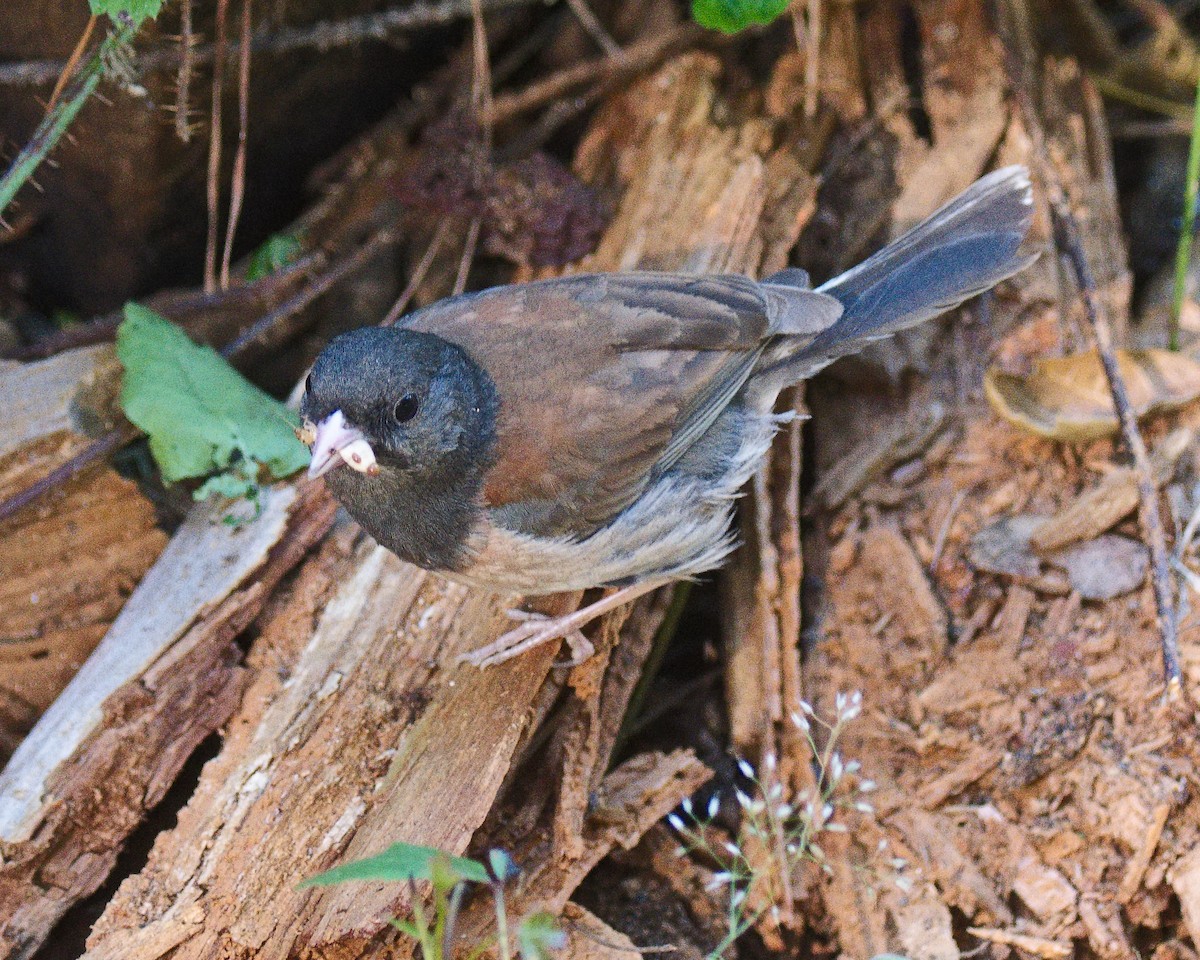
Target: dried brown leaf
(1067, 398)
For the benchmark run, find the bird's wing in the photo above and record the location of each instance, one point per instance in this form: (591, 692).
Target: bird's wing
(605, 380)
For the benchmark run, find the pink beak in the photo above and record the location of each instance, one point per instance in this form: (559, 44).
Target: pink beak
(336, 442)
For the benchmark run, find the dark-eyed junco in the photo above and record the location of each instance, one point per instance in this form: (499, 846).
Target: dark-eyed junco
(594, 430)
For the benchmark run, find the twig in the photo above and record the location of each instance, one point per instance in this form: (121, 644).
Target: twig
(323, 36)
(637, 58)
(468, 256)
(588, 20)
(1068, 240)
(237, 190)
(109, 442)
(418, 276)
(183, 80)
(73, 62)
(54, 125)
(274, 328)
(1183, 251)
(214, 153)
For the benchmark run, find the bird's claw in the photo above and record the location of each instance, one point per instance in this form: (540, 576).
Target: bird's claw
(535, 630)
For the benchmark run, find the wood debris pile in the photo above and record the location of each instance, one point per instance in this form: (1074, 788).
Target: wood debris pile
(1035, 794)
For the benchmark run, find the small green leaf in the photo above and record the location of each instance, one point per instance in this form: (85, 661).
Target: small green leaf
(504, 867)
(730, 16)
(539, 935)
(277, 252)
(135, 10)
(401, 861)
(198, 411)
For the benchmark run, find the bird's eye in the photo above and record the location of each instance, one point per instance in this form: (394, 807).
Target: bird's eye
(406, 408)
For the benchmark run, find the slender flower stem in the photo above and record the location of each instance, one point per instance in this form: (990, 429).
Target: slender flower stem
(1183, 251)
(58, 119)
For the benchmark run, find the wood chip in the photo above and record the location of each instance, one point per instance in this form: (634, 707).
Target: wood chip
(1038, 946)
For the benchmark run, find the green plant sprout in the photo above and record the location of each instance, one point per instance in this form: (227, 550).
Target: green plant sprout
(1183, 251)
(127, 17)
(536, 935)
(788, 827)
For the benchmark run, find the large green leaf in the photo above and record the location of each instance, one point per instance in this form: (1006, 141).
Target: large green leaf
(136, 10)
(730, 16)
(400, 862)
(198, 411)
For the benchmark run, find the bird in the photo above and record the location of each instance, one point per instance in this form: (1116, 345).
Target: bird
(595, 430)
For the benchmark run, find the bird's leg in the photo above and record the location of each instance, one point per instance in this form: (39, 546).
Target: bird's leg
(538, 629)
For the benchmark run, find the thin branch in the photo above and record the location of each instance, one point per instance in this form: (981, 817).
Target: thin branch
(418, 276)
(214, 153)
(237, 191)
(638, 57)
(108, 443)
(468, 256)
(323, 36)
(1068, 240)
(76, 55)
(55, 124)
(284, 322)
(595, 29)
(183, 80)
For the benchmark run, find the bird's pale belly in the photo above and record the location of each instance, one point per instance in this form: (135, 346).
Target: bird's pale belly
(678, 528)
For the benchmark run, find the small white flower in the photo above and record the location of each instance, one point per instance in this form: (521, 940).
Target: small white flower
(839, 703)
(816, 851)
(801, 722)
(687, 805)
(806, 707)
(770, 760)
(737, 898)
(784, 811)
(775, 792)
(835, 767)
(792, 849)
(827, 812)
(866, 786)
(898, 863)
(883, 845)
(747, 770)
(732, 849)
(863, 807)
(743, 800)
(714, 806)
(835, 828)
(775, 914)
(718, 880)
(675, 821)
(904, 883)
(853, 766)
(681, 851)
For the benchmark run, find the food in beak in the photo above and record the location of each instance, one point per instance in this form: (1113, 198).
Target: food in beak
(336, 442)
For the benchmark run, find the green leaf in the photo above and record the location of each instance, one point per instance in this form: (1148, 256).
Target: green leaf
(401, 861)
(539, 935)
(200, 413)
(277, 252)
(730, 16)
(135, 10)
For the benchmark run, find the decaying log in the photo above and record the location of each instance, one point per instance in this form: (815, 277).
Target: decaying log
(66, 563)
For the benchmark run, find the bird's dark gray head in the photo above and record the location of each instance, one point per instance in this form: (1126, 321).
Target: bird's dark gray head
(402, 423)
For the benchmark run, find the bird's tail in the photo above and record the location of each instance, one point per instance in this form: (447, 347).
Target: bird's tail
(965, 248)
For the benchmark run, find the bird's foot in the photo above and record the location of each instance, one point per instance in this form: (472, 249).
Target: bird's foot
(537, 629)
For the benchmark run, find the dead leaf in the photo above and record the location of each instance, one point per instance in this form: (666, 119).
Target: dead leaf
(1004, 547)
(1105, 567)
(1067, 398)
